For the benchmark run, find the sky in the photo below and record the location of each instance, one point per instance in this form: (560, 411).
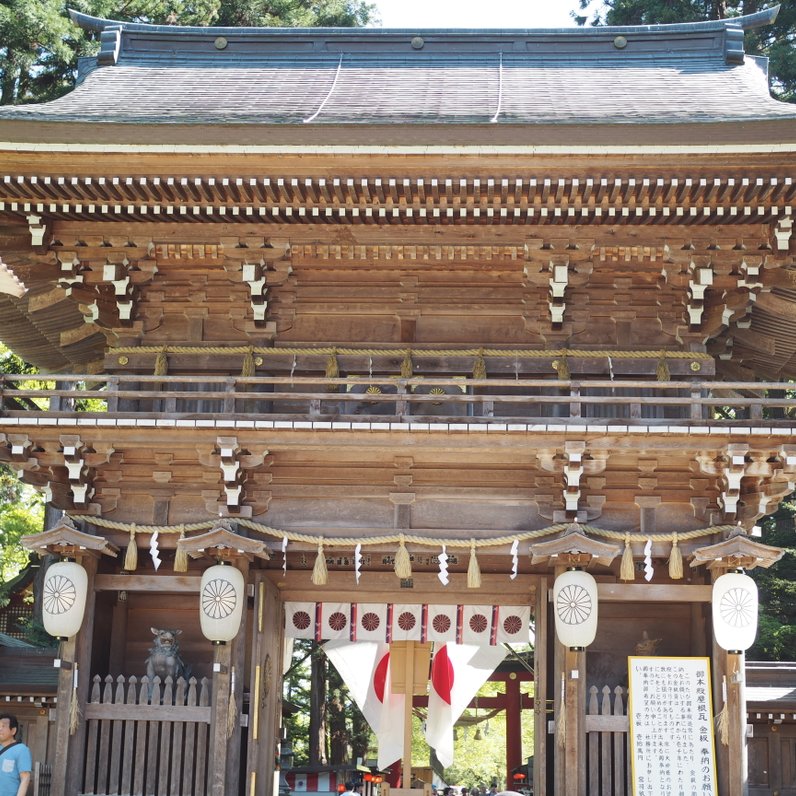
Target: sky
(476, 13)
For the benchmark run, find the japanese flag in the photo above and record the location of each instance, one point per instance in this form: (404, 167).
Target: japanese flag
(365, 669)
(457, 672)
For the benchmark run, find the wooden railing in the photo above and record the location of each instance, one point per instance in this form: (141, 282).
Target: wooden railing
(608, 761)
(593, 401)
(147, 737)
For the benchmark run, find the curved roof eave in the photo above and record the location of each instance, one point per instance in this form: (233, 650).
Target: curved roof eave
(747, 22)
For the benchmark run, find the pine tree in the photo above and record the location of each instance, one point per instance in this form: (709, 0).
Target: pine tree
(39, 45)
(773, 41)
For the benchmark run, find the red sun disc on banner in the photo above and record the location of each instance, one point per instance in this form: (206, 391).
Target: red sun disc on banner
(442, 674)
(380, 677)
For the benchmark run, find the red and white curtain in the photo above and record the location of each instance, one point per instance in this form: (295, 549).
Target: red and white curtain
(480, 625)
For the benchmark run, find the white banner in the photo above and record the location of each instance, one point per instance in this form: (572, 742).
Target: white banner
(386, 622)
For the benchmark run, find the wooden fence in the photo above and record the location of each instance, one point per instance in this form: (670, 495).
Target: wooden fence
(608, 759)
(147, 738)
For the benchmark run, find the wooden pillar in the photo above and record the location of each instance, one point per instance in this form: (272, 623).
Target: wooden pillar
(731, 760)
(67, 773)
(540, 714)
(265, 706)
(575, 743)
(224, 760)
(237, 672)
(409, 679)
(513, 727)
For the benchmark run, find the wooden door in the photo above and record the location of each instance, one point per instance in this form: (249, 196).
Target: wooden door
(772, 760)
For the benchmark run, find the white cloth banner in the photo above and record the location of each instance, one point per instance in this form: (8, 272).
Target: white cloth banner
(365, 669)
(457, 672)
(407, 622)
(442, 623)
(300, 620)
(386, 622)
(513, 624)
(336, 620)
(371, 621)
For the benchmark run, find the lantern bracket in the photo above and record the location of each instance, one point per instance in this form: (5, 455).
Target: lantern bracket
(574, 549)
(738, 550)
(66, 540)
(222, 543)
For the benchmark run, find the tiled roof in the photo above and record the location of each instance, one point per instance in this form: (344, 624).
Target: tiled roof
(652, 74)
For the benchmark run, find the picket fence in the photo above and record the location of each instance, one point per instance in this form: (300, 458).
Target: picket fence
(147, 738)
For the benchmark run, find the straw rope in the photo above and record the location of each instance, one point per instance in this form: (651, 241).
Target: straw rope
(413, 353)
(403, 536)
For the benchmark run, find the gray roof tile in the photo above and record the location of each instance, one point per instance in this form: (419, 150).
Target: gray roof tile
(668, 73)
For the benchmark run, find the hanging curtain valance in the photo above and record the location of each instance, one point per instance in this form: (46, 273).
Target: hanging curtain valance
(460, 624)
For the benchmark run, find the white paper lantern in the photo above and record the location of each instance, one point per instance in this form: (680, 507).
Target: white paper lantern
(575, 606)
(221, 597)
(735, 611)
(64, 598)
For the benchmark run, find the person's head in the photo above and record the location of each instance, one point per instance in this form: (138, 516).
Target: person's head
(349, 786)
(8, 727)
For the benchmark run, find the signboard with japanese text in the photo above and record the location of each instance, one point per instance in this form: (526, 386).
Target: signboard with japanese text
(670, 715)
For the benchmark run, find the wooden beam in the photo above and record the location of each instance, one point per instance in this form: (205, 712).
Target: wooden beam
(653, 593)
(160, 583)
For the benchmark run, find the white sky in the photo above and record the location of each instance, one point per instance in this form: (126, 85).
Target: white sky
(476, 13)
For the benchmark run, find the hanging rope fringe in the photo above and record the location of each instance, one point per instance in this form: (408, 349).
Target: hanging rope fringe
(479, 366)
(627, 571)
(407, 368)
(332, 368)
(473, 570)
(161, 363)
(403, 564)
(319, 572)
(723, 719)
(131, 555)
(662, 371)
(181, 556)
(676, 560)
(248, 369)
(561, 723)
(232, 710)
(562, 368)
(74, 709)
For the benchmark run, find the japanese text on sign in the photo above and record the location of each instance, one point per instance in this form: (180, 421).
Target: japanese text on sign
(671, 727)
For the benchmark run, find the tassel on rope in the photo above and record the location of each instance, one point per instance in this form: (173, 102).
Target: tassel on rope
(407, 368)
(562, 368)
(161, 363)
(232, 710)
(561, 723)
(181, 556)
(74, 709)
(403, 564)
(627, 570)
(332, 370)
(131, 555)
(479, 366)
(473, 570)
(676, 560)
(319, 572)
(662, 372)
(247, 369)
(723, 719)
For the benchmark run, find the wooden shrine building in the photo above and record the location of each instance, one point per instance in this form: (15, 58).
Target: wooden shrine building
(328, 303)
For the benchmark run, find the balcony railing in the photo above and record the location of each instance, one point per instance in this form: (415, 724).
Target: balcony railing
(592, 401)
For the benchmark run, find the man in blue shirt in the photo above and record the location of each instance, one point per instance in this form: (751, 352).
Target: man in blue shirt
(15, 763)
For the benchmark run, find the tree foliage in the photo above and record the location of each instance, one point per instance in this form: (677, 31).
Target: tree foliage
(39, 45)
(774, 41)
(776, 634)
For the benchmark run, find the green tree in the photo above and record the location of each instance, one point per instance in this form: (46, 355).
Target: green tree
(776, 634)
(774, 41)
(39, 46)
